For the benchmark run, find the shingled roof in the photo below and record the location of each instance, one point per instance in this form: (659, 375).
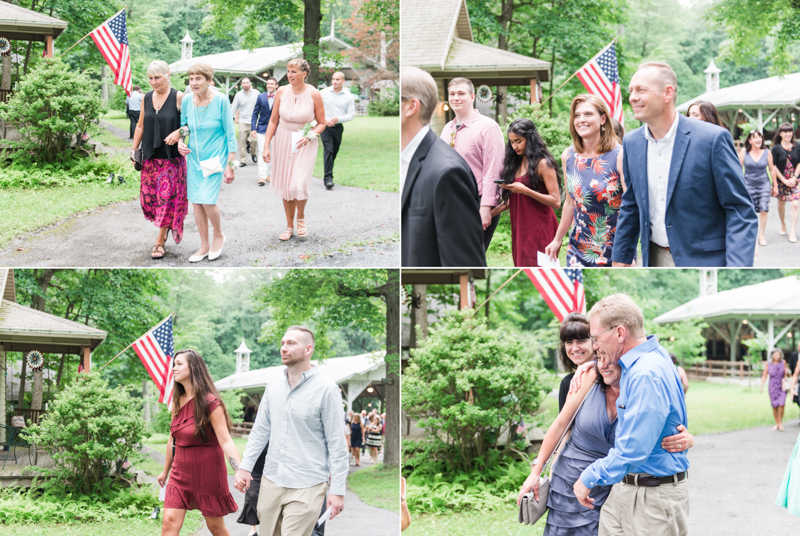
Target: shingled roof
(23, 329)
(18, 23)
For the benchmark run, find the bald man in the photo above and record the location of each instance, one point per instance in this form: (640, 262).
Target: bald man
(340, 107)
(300, 416)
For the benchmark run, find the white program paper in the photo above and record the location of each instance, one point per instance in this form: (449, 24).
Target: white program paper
(162, 493)
(325, 517)
(544, 260)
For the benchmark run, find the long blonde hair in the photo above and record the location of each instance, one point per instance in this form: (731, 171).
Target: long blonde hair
(608, 138)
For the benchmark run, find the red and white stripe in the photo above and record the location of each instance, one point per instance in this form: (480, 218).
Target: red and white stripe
(115, 53)
(560, 292)
(597, 83)
(157, 364)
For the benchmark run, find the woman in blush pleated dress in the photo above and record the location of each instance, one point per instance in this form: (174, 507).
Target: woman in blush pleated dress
(201, 441)
(295, 106)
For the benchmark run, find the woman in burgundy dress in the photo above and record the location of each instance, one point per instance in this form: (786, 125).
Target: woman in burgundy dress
(199, 435)
(530, 184)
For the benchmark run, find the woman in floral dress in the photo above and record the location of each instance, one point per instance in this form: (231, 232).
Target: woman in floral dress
(593, 179)
(786, 156)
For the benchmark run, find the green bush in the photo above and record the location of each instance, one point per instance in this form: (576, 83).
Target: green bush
(34, 506)
(466, 384)
(52, 108)
(70, 168)
(233, 404)
(553, 130)
(388, 105)
(89, 430)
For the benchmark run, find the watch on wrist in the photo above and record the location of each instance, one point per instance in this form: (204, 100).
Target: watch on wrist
(534, 462)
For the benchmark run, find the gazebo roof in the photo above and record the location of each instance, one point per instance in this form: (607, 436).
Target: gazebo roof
(23, 329)
(773, 92)
(8, 289)
(243, 349)
(441, 42)
(338, 369)
(20, 24)
(777, 299)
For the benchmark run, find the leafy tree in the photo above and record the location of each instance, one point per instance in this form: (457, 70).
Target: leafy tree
(89, 430)
(330, 299)
(369, 37)
(52, 108)
(466, 384)
(684, 339)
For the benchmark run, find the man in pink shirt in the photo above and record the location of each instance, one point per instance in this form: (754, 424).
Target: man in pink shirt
(479, 140)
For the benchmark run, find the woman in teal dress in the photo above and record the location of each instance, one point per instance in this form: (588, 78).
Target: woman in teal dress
(207, 113)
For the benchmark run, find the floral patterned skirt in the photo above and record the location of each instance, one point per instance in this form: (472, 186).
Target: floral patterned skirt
(163, 193)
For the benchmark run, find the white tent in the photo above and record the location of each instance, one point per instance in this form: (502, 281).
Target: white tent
(763, 307)
(760, 101)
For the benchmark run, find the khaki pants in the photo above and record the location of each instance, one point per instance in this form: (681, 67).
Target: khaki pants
(288, 512)
(641, 511)
(660, 257)
(244, 136)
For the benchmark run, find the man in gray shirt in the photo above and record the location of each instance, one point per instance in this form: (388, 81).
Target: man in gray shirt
(133, 107)
(340, 107)
(242, 110)
(301, 417)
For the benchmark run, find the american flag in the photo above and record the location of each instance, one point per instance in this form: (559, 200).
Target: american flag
(111, 38)
(561, 288)
(155, 349)
(600, 77)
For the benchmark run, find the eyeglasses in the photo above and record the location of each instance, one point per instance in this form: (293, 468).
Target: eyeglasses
(594, 338)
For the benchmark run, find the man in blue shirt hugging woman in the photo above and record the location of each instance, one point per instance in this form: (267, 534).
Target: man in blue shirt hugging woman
(650, 495)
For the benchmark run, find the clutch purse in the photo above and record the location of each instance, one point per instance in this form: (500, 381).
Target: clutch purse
(137, 159)
(531, 510)
(210, 166)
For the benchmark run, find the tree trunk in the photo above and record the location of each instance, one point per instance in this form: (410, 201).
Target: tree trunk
(38, 381)
(312, 18)
(37, 302)
(504, 19)
(391, 456)
(6, 81)
(420, 313)
(103, 82)
(22, 382)
(488, 291)
(146, 403)
(552, 70)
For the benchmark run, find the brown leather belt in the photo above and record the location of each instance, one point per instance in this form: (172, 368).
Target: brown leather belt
(652, 481)
(660, 247)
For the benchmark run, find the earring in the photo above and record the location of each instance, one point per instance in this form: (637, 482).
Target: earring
(602, 128)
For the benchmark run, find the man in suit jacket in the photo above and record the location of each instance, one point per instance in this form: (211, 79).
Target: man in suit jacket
(258, 127)
(686, 195)
(441, 223)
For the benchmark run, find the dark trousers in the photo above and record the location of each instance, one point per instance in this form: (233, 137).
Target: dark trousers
(319, 530)
(133, 115)
(331, 140)
(488, 233)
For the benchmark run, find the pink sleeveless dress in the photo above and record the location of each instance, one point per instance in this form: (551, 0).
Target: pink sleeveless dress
(291, 173)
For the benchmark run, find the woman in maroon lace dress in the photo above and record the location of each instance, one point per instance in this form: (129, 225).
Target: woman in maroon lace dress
(530, 192)
(199, 435)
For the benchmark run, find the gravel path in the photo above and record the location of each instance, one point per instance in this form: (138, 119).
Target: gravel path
(348, 227)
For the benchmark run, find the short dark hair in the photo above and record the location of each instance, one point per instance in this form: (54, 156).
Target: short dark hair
(707, 111)
(137, 88)
(575, 327)
(462, 80)
(272, 78)
(304, 330)
(245, 78)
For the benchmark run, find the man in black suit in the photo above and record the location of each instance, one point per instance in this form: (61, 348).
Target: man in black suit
(441, 223)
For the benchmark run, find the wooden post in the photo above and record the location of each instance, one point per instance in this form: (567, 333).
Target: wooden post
(48, 46)
(464, 281)
(534, 90)
(2, 392)
(86, 360)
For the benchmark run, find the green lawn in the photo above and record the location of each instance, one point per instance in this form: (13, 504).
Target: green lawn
(369, 156)
(27, 210)
(499, 522)
(377, 486)
(128, 527)
(723, 408)
(118, 119)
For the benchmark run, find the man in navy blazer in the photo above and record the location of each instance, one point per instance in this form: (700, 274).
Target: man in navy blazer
(686, 197)
(258, 127)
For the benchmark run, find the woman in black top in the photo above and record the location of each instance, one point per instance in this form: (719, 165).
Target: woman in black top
(786, 160)
(163, 189)
(575, 350)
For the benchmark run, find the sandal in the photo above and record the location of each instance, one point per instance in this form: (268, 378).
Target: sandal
(287, 234)
(155, 253)
(302, 230)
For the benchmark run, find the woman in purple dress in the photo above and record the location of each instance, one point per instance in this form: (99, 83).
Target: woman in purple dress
(776, 369)
(594, 184)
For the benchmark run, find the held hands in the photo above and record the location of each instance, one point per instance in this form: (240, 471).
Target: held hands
(678, 442)
(336, 504)
(242, 480)
(552, 249)
(575, 384)
(183, 148)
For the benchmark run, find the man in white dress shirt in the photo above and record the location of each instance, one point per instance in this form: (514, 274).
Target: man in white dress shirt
(300, 416)
(242, 110)
(340, 107)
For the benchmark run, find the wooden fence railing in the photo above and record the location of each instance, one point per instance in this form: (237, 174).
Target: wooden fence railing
(241, 429)
(31, 416)
(5, 94)
(723, 369)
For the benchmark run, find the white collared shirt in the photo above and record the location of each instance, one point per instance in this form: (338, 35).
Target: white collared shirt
(408, 152)
(659, 157)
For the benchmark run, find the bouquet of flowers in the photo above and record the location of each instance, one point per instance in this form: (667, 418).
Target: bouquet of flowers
(305, 132)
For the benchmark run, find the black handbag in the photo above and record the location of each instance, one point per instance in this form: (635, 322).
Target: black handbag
(531, 510)
(137, 159)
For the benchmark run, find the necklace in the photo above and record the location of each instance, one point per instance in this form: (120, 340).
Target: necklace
(162, 103)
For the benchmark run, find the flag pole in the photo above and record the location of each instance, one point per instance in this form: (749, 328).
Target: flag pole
(90, 33)
(134, 342)
(575, 73)
(499, 288)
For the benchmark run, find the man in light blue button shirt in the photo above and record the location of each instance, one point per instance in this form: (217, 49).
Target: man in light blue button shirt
(340, 107)
(650, 495)
(301, 417)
